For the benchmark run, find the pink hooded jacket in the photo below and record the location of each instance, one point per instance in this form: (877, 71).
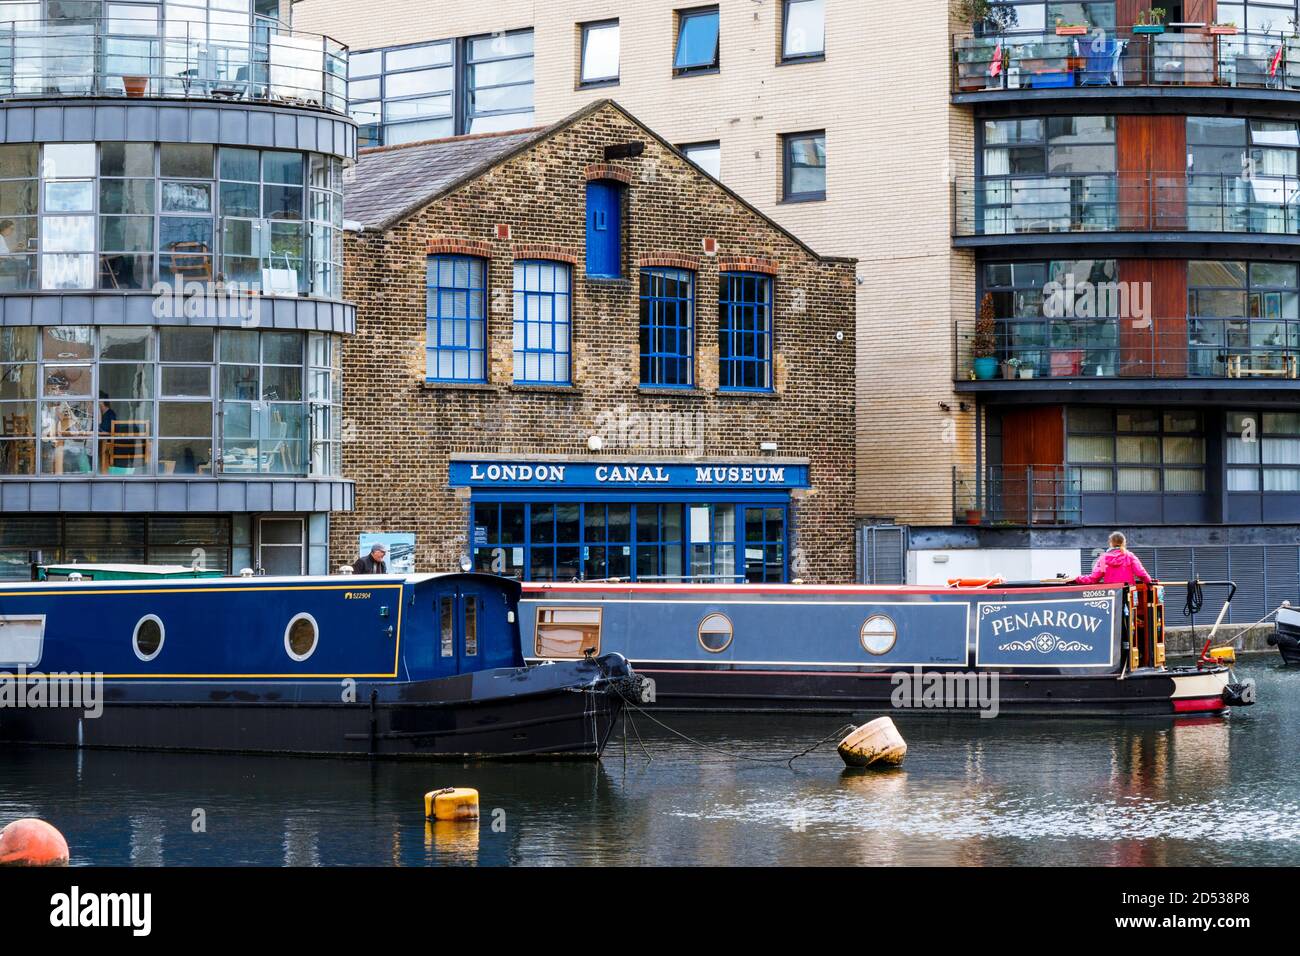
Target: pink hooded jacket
(1116, 566)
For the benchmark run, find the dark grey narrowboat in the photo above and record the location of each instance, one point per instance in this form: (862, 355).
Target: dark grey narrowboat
(1033, 648)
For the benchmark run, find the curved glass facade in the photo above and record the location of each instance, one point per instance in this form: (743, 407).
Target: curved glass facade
(132, 401)
(123, 216)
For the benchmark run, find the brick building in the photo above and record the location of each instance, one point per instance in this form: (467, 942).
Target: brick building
(579, 355)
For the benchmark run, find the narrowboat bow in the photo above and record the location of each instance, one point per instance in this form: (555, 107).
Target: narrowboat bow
(384, 666)
(988, 647)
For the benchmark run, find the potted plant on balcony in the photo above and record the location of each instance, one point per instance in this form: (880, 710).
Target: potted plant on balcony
(984, 344)
(1224, 29)
(1064, 29)
(1151, 20)
(1010, 368)
(135, 86)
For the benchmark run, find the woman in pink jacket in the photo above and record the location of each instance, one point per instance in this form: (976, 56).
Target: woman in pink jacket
(1119, 565)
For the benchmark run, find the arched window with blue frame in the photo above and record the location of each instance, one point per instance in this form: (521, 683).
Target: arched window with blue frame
(667, 327)
(604, 229)
(456, 334)
(745, 332)
(543, 304)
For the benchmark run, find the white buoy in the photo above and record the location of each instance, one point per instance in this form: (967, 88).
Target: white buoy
(877, 743)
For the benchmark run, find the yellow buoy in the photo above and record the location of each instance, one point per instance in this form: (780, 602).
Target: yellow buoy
(876, 743)
(1225, 655)
(451, 803)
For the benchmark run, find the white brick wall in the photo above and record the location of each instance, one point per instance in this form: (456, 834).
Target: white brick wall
(893, 143)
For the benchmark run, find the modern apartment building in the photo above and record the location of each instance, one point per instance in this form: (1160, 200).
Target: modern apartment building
(171, 302)
(1113, 191)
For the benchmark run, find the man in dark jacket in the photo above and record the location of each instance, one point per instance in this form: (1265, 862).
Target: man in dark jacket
(372, 563)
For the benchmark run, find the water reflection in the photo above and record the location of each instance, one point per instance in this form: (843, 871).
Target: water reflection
(972, 792)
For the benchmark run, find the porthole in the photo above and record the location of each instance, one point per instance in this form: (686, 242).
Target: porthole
(716, 633)
(878, 634)
(301, 637)
(148, 637)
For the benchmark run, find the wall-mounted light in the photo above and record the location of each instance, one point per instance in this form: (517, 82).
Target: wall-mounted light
(625, 150)
(595, 442)
(769, 447)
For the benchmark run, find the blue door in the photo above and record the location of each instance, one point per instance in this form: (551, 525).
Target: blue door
(604, 229)
(460, 619)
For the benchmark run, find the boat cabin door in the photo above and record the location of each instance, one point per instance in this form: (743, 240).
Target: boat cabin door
(459, 613)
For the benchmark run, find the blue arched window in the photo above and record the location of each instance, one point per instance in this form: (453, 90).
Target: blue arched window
(604, 229)
(455, 345)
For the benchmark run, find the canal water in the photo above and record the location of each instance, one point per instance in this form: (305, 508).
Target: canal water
(972, 792)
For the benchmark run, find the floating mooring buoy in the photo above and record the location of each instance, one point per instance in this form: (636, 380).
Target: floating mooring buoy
(877, 743)
(29, 842)
(451, 803)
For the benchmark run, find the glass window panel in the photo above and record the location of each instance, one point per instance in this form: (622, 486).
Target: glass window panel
(186, 197)
(805, 27)
(18, 161)
(410, 57)
(185, 161)
(600, 51)
(697, 40)
(126, 159)
(125, 344)
(126, 196)
(186, 345)
(181, 381)
(68, 161)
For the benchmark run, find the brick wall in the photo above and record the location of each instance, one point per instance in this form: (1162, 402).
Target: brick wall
(404, 430)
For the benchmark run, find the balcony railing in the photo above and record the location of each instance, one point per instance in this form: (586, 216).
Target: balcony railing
(1197, 348)
(1018, 495)
(1137, 201)
(1123, 58)
(119, 57)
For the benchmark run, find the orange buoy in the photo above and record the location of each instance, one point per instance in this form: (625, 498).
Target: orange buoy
(30, 842)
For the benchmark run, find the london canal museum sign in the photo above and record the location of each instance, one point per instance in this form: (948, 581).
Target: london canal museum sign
(626, 474)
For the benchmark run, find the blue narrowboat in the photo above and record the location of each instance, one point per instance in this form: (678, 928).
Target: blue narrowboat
(422, 665)
(1032, 648)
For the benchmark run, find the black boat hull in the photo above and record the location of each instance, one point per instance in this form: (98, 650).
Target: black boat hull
(548, 714)
(1153, 693)
(1288, 645)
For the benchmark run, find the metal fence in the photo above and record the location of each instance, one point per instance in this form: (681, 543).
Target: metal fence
(1201, 348)
(1124, 57)
(178, 59)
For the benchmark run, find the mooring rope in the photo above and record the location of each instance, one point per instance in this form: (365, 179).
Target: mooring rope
(788, 761)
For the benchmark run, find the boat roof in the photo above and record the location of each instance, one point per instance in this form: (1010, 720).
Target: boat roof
(125, 568)
(342, 580)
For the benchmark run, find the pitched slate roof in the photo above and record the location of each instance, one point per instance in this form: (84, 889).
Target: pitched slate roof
(389, 183)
